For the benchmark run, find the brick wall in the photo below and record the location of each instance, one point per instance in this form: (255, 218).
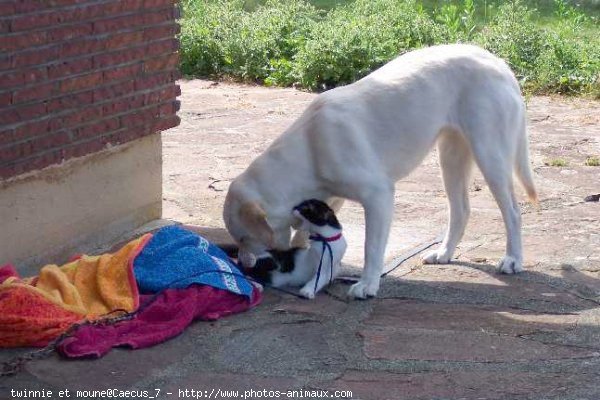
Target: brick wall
(77, 76)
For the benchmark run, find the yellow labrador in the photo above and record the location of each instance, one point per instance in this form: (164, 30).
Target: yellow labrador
(354, 142)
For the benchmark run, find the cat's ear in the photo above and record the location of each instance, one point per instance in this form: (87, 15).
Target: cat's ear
(254, 219)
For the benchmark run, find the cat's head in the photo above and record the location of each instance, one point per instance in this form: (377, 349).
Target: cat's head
(316, 214)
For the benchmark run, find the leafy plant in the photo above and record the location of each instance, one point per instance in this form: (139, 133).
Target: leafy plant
(291, 42)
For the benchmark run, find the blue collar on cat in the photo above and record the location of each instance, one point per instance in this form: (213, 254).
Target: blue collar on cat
(318, 238)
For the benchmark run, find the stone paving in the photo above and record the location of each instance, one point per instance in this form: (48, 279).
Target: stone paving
(457, 331)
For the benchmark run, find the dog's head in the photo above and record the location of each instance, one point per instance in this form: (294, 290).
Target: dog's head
(253, 229)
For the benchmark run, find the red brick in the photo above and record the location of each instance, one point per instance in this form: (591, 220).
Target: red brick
(140, 117)
(122, 105)
(131, 5)
(163, 63)
(97, 128)
(6, 136)
(167, 109)
(37, 56)
(23, 7)
(127, 135)
(16, 114)
(164, 93)
(16, 151)
(114, 91)
(119, 73)
(53, 140)
(81, 82)
(99, 10)
(162, 47)
(119, 57)
(4, 26)
(149, 82)
(84, 148)
(158, 3)
(158, 17)
(113, 24)
(124, 39)
(7, 8)
(32, 21)
(71, 67)
(22, 77)
(80, 117)
(82, 47)
(8, 170)
(166, 123)
(70, 101)
(69, 32)
(5, 99)
(37, 92)
(5, 62)
(31, 129)
(161, 31)
(22, 41)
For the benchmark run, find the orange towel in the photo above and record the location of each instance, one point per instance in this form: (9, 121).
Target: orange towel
(36, 310)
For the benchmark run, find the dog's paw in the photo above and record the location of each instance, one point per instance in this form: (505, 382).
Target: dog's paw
(439, 256)
(307, 292)
(362, 290)
(509, 265)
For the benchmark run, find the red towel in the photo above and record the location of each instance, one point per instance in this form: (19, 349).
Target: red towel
(167, 316)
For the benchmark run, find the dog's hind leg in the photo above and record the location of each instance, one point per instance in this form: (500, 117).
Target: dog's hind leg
(456, 162)
(496, 163)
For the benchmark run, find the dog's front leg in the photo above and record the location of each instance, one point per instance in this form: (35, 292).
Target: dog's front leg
(379, 208)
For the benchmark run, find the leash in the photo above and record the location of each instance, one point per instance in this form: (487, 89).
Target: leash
(399, 260)
(326, 246)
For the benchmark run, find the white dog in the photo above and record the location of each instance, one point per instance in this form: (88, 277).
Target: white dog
(356, 141)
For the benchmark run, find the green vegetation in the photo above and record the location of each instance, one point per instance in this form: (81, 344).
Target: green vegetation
(592, 161)
(557, 162)
(552, 46)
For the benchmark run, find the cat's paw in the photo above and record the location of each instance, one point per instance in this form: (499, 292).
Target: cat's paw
(509, 265)
(307, 292)
(362, 290)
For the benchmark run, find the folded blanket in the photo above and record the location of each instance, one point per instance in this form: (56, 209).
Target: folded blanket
(36, 310)
(164, 317)
(177, 258)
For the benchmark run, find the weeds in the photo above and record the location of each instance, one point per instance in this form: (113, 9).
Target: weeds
(592, 161)
(290, 42)
(557, 162)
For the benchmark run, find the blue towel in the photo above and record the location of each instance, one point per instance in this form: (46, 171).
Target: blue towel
(177, 258)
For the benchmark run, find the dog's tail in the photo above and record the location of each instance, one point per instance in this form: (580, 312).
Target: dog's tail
(522, 166)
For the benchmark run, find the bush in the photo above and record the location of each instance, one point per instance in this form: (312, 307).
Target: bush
(290, 42)
(223, 38)
(514, 37)
(357, 38)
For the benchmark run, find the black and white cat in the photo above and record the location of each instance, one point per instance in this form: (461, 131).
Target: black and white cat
(300, 266)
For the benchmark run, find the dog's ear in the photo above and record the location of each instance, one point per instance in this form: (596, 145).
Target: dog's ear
(254, 219)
